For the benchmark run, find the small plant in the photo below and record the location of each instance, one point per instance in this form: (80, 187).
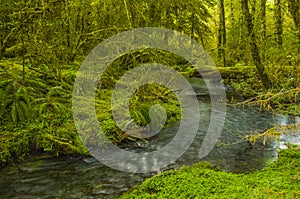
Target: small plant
(16, 103)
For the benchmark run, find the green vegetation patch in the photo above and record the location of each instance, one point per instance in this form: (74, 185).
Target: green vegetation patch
(36, 110)
(280, 179)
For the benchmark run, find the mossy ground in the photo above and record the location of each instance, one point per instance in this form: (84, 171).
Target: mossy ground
(280, 179)
(283, 97)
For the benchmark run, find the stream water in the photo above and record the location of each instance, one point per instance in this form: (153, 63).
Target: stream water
(66, 177)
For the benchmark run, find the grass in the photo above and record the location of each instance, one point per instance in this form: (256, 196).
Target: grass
(280, 179)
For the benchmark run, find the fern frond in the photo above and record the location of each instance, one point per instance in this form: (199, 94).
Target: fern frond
(141, 114)
(43, 108)
(14, 114)
(22, 94)
(58, 107)
(26, 111)
(57, 91)
(4, 83)
(3, 102)
(62, 100)
(66, 85)
(37, 84)
(20, 113)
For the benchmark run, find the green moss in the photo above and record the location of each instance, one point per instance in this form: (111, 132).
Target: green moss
(280, 179)
(36, 114)
(244, 83)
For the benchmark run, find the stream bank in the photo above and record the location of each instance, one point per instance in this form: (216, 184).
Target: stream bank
(280, 179)
(69, 177)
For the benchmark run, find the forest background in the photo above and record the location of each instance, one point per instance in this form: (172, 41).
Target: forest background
(255, 44)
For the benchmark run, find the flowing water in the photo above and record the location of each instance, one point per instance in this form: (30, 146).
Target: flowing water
(65, 177)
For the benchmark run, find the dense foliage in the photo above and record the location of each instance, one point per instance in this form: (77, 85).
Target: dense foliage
(36, 111)
(51, 31)
(43, 43)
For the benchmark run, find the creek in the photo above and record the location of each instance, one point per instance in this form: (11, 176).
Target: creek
(67, 177)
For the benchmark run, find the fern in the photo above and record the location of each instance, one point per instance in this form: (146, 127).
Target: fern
(5, 83)
(15, 102)
(37, 85)
(140, 114)
(57, 100)
(3, 102)
(23, 104)
(14, 114)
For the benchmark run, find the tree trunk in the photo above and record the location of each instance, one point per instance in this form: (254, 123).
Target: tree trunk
(222, 34)
(278, 22)
(294, 9)
(232, 12)
(253, 45)
(263, 28)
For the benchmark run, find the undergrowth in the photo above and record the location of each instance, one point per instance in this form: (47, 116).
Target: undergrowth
(36, 110)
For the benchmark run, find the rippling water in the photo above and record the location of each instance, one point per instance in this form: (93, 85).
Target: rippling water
(87, 178)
